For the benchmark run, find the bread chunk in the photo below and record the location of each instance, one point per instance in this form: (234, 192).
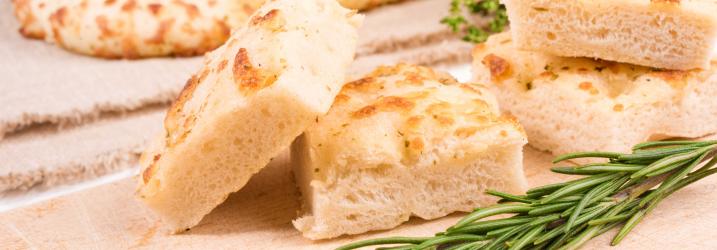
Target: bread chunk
(404, 141)
(252, 98)
(133, 28)
(580, 104)
(666, 34)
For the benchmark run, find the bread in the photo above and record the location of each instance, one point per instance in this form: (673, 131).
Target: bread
(667, 34)
(133, 28)
(404, 141)
(364, 4)
(252, 98)
(579, 104)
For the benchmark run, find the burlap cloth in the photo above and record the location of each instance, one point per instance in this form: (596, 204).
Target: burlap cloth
(66, 117)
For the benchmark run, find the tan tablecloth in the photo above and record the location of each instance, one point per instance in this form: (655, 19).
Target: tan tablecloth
(66, 117)
(259, 217)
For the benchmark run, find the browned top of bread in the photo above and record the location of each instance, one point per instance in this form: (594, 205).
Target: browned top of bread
(505, 64)
(133, 28)
(258, 56)
(409, 115)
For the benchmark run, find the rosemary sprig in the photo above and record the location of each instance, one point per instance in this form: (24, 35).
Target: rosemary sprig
(473, 33)
(566, 215)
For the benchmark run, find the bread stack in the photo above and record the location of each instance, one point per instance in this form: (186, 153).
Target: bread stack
(403, 141)
(603, 75)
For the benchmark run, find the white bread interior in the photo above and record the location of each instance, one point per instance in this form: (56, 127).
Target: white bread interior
(404, 141)
(678, 35)
(251, 99)
(579, 104)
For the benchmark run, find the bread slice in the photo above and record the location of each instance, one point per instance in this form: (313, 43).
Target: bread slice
(667, 34)
(579, 104)
(404, 141)
(133, 28)
(253, 96)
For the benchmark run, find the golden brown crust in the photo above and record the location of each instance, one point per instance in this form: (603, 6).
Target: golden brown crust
(148, 172)
(605, 77)
(250, 79)
(267, 18)
(57, 21)
(499, 67)
(365, 84)
(673, 2)
(175, 124)
(133, 29)
(385, 104)
(427, 109)
(28, 20)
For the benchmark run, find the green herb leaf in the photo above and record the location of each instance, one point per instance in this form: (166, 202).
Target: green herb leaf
(458, 22)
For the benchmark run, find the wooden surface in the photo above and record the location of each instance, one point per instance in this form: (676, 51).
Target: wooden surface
(259, 217)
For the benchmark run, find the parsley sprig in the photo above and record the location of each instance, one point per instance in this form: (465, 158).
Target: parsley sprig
(473, 33)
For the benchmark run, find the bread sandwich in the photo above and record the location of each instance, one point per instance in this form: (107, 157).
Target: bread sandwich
(404, 141)
(133, 28)
(253, 96)
(666, 34)
(580, 104)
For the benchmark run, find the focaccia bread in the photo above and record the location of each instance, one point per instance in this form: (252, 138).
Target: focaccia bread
(666, 34)
(133, 28)
(252, 98)
(578, 104)
(404, 141)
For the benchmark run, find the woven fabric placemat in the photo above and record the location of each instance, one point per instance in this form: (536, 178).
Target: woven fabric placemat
(45, 84)
(48, 157)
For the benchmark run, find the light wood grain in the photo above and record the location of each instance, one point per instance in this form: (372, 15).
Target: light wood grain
(259, 217)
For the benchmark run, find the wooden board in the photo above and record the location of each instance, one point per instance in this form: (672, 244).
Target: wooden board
(259, 217)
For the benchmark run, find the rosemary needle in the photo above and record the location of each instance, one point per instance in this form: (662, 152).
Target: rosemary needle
(486, 226)
(607, 220)
(566, 215)
(653, 144)
(384, 241)
(495, 210)
(509, 197)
